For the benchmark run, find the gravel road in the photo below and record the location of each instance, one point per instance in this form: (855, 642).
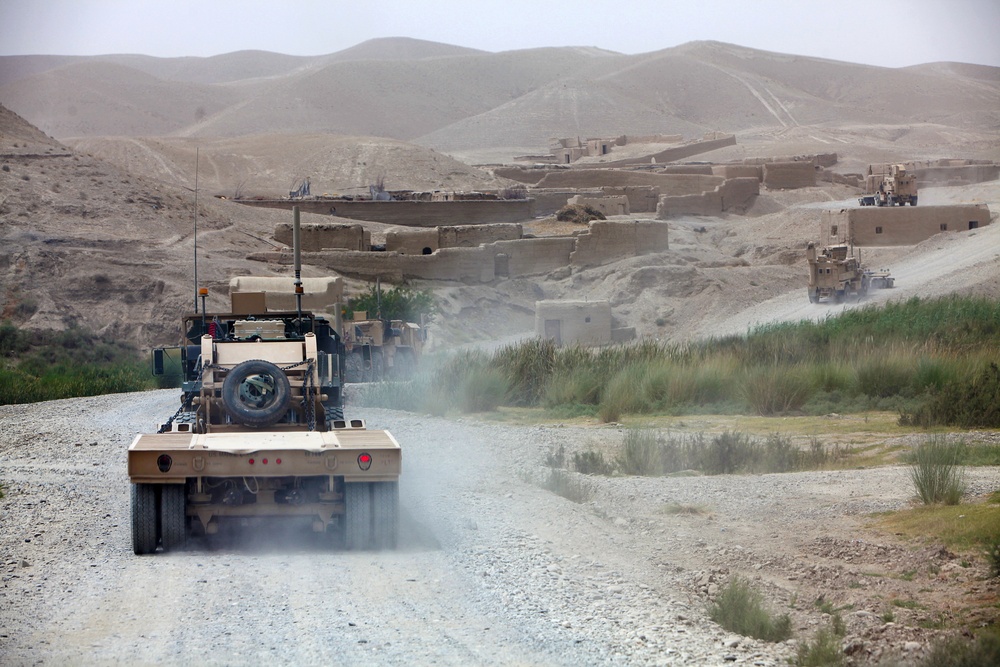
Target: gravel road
(491, 570)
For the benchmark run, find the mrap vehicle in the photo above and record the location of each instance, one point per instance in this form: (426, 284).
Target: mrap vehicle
(260, 434)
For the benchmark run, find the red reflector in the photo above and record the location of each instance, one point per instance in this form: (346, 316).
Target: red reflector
(264, 461)
(277, 462)
(365, 458)
(251, 461)
(364, 461)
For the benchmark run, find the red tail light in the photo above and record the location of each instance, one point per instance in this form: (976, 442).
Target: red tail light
(365, 461)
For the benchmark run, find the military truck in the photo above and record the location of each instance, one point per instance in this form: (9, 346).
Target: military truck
(897, 187)
(378, 349)
(260, 433)
(835, 273)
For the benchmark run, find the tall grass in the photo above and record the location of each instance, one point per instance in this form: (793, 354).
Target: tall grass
(900, 356)
(936, 472)
(739, 608)
(42, 366)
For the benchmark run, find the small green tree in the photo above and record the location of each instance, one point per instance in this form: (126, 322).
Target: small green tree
(396, 303)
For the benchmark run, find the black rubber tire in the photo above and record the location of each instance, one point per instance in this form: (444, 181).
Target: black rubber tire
(333, 412)
(357, 520)
(838, 296)
(353, 366)
(144, 519)
(385, 514)
(173, 522)
(272, 404)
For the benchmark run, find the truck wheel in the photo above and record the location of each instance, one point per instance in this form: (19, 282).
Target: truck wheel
(144, 517)
(838, 296)
(256, 393)
(357, 516)
(385, 514)
(173, 528)
(333, 413)
(913, 201)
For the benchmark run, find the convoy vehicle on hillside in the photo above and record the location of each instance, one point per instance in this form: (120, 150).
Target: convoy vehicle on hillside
(893, 187)
(835, 272)
(379, 349)
(260, 433)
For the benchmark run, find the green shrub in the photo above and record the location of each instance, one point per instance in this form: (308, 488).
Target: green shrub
(483, 390)
(592, 463)
(565, 484)
(823, 651)
(641, 453)
(935, 471)
(396, 303)
(577, 386)
(739, 608)
(972, 403)
(775, 389)
(623, 395)
(727, 453)
(992, 550)
(884, 377)
(959, 652)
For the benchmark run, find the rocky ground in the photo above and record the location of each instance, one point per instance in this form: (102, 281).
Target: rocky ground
(492, 568)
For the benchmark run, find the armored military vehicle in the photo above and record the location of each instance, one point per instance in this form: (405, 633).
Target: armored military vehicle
(835, 273)
(260, 433)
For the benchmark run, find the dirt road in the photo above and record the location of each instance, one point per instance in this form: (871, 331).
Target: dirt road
(492, 569)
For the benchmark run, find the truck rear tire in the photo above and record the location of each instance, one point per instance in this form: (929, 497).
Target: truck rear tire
(173, 522)
(385, 514)
(144, 519)
(256, 393)
(357, 518)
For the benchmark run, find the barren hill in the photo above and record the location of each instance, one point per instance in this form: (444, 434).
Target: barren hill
(271, 165)
(458, 99)
(100, 226)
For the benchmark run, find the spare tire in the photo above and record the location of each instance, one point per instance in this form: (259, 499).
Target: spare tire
(256, 393)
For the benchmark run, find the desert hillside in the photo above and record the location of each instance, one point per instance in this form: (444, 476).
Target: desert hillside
(98, 153)
(456, 99)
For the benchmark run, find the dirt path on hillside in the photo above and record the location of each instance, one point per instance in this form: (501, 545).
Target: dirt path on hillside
(937, 267)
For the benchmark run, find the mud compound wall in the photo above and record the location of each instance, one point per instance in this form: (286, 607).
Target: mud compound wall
(530, 257)
(412, 241)
(669, 184)
(734, 194)
(566, 322)
(412, 213)
(789, 175)
(899, 225)
(607, 241)
(548, 202)
(470, 236)
(317, 236)
(958, 175)
(641, 198)
(739, 171)
(608, 205)
(670, 154)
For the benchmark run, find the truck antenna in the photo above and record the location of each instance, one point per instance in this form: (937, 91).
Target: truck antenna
(297, 255)
(196, 229)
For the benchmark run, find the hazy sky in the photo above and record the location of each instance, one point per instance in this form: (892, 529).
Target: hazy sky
(892, 33)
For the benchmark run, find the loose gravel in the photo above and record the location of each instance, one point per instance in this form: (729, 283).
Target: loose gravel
(492, 569)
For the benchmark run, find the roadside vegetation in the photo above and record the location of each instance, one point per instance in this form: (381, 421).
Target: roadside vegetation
(739, 608)
(46, 365)
(934, 362)
(396, 303)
